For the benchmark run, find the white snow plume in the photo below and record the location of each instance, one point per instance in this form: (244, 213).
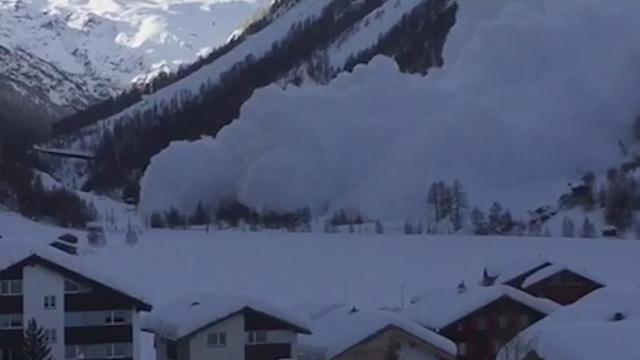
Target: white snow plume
(532, 95)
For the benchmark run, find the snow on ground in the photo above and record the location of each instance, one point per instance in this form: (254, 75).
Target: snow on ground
(511, 82)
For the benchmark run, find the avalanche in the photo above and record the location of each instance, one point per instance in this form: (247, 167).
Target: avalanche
(503, 117)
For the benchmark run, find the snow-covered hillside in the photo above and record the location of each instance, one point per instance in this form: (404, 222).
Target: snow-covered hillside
(93, 49)
(522, 106)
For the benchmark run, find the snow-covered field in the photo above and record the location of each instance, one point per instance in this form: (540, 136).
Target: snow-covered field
(289, 268)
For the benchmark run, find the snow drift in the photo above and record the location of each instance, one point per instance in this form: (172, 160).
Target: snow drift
(532, 94)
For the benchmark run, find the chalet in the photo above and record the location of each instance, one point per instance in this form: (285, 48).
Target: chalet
(480, 320)
(542, 278)
(208, 326)
(348, 333)
(602, 325)
(83, 314)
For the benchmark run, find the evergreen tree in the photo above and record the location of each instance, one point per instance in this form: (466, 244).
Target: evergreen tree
(568, 228)
(35, 343)
(379, 227)
(200, 215)
(495, 218)
(460, 205)
(478, 221)
(433, 201)
(157, 220)
(408, 228)
(174, 218)
(619, 199)
(588, 229)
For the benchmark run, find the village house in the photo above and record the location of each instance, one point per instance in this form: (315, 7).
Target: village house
(480, 320)
(560, 283)
(208, 326)
(347, 333)
(602, 325)
(84, 314)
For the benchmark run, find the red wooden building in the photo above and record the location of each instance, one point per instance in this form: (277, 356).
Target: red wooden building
(480, 320)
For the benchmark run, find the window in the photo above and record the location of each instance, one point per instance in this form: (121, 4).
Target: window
(11, 321)
(115, 317)
(217, 339)
(257, 337)
(51, 336)
(524, 320)
(74, 352)
(463, 349)
(71, 287)
(503, 322)
(481, 324)
(11, 287)
(116, 351)
(50, 302)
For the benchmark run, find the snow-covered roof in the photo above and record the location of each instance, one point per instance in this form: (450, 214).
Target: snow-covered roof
(437, 308)
(553, 269)
(13, 252)
(341, 329)
(506, 272)
(588, 329)
(191, 313)
(315, 310)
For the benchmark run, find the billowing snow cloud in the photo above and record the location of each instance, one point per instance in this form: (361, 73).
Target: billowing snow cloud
(533, 94)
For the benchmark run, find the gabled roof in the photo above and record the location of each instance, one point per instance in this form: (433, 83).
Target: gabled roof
(342, 329)
(438, 308)
(190, 314)
(548, 271)
(15, 254)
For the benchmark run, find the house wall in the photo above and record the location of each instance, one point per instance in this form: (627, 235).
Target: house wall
(39, 282)
(484, 341)
(278, 342)
(375, 348)
(564, 287)
(236, 341)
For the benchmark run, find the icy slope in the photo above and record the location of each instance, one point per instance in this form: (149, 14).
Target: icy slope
(522, 106)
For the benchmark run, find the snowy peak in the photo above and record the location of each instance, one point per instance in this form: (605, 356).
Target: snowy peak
(73, 53)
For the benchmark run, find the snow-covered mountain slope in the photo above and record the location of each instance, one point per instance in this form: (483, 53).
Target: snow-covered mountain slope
(520, 108)
(297, 41)
(71, 53)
